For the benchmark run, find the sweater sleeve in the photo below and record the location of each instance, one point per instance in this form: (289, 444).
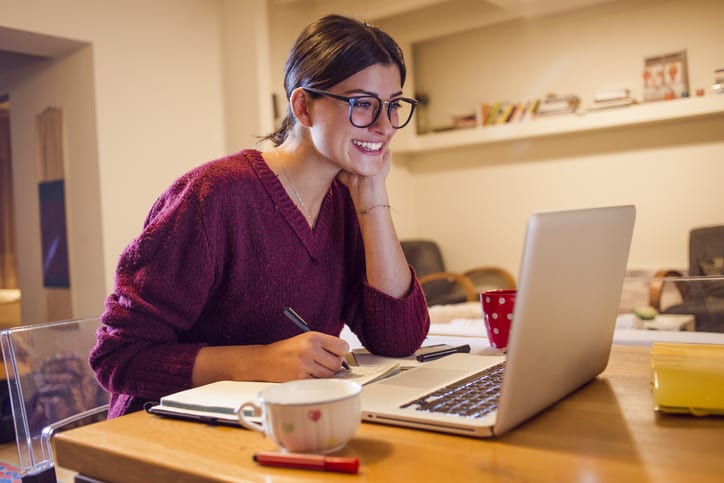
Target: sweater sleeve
(162, 280)
(393, 327)
(385, 325)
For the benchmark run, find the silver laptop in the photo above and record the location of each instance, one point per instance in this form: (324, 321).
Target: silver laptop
(569, 287)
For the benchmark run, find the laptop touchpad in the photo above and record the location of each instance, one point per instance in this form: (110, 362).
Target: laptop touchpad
(424, 377)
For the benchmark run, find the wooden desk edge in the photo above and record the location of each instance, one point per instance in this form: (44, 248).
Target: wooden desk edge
(94, 450)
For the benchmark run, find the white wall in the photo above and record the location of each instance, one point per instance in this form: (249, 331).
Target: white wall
(247, 84)
(157, 93)
(674, 187)
(475, 201)
(578, 52)
(62, 83)
(165, 92)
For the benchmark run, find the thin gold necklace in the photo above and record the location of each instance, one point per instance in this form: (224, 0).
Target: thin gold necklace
(294, 189)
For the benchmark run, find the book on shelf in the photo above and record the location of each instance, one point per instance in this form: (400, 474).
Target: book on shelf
(718, 85)
(519, 112)
(493, 113)
(484, 113)
(607, 98)
(504, 113)
(464, 120)
(553, 104)
(596, 106)
(608, 95)
(544, 111)
(531, 110)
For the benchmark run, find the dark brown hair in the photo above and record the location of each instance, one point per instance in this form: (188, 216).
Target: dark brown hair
(330, 50)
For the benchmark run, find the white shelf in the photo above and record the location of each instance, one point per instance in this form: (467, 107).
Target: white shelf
(613, 118)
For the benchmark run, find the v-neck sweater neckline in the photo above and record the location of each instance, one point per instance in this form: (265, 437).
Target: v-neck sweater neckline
(312, 238)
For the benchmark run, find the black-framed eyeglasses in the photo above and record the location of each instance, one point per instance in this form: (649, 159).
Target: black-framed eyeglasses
(364, 110)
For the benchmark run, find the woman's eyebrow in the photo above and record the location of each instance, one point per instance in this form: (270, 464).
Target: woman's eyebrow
(370, 93)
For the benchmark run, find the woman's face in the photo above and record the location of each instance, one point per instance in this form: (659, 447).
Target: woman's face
(361, 151)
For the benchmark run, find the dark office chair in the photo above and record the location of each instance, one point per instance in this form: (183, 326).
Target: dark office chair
(702, 291)
(443, 287)
(52, 388)
(490, 278)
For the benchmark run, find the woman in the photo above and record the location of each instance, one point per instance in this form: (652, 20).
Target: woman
(199, 294)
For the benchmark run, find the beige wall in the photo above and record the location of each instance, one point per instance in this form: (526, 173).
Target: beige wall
(476, 200)
(63, 83)
(165, 85)
(157, 95)
(674, 187)
(247, 84)
(579, 52)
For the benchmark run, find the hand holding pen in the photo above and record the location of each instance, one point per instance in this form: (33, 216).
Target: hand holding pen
(302, 324)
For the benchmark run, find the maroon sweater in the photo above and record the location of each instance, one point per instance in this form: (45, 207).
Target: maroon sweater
(221, 252)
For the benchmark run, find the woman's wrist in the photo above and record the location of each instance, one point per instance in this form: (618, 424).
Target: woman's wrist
(367, 210)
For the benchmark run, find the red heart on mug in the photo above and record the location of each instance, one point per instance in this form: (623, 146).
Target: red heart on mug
(314, 415)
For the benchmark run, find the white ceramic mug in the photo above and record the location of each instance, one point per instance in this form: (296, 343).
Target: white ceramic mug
(307, 416)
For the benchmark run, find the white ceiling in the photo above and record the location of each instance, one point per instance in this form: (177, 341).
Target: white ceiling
(13, 60)
(383, 9)
(18, 48)
(419, 20)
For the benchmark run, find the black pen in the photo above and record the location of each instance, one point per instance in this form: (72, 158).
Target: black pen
(300, 322)
(430, 356)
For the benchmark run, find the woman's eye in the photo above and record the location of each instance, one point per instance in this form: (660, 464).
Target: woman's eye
(363, 104)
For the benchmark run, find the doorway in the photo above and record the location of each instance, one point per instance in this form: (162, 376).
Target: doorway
(36, 72)
(9, 289)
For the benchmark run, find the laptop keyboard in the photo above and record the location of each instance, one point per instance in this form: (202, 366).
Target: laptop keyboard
(472, 397)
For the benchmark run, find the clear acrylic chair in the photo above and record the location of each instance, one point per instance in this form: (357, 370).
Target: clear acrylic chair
(52, 388)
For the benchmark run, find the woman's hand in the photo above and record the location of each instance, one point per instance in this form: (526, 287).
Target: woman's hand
(308, 355)
(312, 354)
(367, 190)
(386, 267)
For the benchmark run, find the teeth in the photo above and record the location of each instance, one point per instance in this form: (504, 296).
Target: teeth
(368, 146)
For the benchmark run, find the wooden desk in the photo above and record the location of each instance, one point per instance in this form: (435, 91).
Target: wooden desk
(606, 431)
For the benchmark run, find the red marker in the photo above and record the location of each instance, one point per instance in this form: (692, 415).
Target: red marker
(340, 464)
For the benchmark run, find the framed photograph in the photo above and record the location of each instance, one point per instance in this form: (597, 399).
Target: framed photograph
(53, 234)
(666, 77)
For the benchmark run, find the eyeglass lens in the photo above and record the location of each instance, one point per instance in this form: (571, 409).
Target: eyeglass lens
(364, 111)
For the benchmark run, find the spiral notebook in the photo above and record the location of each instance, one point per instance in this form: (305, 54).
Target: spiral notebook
(217, 402)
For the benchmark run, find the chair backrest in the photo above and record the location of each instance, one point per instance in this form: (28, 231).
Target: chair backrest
(706, 250)
(51, 385)
(424, 256)
(490, 278)
(706, 258)
(442, 288)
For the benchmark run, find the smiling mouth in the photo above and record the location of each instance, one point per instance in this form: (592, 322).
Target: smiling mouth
(368, 146)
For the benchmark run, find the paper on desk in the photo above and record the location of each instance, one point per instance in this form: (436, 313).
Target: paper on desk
(440, 314)
(460, 327)
(367, 359)
(457, 332)
(369, 371)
